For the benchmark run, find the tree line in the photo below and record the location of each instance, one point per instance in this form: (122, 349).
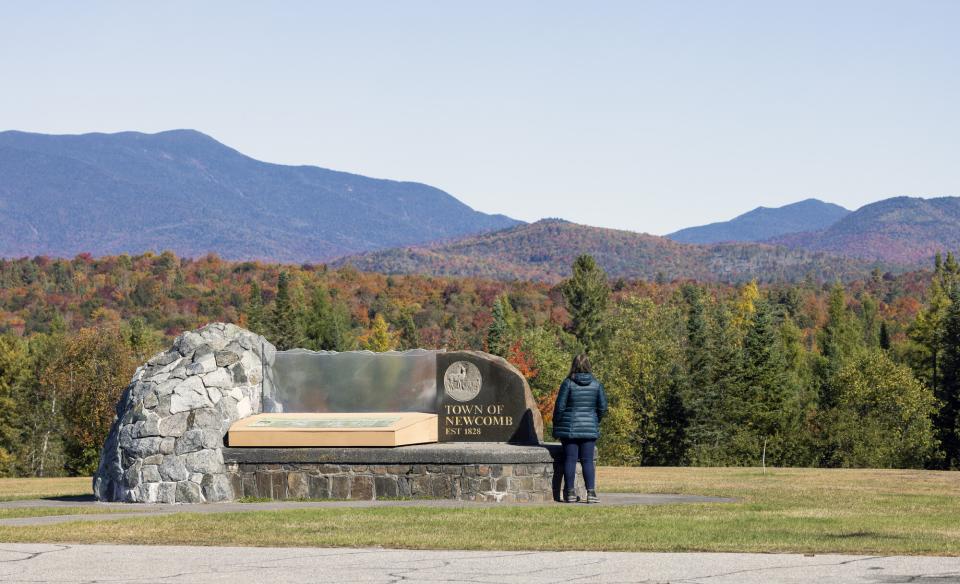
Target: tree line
(864, 373)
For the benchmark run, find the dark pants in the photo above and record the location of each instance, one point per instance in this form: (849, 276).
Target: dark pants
(582, 450)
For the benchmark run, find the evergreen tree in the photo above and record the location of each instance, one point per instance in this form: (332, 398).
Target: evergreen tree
(927, 329)
(318, 322)
(884, 337)
(284, 322)
(759, 404)
(947, 389)
(409, 335)
(501, 332)
(697, 352)
(587, 293)
(671, 421)
(839, 341)
(254, 309)
(700, 393)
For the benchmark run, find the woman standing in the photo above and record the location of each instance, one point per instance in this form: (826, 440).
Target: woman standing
(581, 404)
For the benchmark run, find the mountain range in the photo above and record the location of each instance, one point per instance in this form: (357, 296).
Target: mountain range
(181, 190)
(901, 230)
(764, 223)
(184, 191)
(904, 231)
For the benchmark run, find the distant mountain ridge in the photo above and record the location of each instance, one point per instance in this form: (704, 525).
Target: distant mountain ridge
(182, 190)
(764, 223)
(902, 230)
(546, 249)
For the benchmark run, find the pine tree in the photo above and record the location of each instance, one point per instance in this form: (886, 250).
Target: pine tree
(409, 335)
(927, 329)
(839, 341)
(587, 293)
(284, 322)
(501, 332)
(947, 389)
(254, 309)
(884, 337)
(317, 322)
(762, 399)
(671, 420)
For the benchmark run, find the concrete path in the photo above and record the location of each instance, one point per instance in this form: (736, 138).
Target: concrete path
(126, 510)
(39, 563)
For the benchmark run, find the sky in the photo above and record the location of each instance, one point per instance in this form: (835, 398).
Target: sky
(647, 116)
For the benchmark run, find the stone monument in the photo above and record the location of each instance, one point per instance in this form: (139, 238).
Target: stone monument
(467, 422)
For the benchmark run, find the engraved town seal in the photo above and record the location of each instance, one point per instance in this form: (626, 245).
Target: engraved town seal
(462, 381)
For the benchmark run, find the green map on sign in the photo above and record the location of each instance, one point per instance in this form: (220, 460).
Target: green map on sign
(324, 422)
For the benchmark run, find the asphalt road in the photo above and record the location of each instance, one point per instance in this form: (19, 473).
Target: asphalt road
(39, 563)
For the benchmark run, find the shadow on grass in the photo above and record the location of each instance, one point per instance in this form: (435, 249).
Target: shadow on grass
(70, 498)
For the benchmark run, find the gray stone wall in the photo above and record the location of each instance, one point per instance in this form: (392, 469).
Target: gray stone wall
(166, 442)
(507, 483)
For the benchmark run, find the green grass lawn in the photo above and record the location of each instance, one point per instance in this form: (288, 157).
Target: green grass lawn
(17, 512)
(16, 489)
(784, 510)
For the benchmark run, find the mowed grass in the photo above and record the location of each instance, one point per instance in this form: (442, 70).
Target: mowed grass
(782, 510)
(17, 489)
(18, 512)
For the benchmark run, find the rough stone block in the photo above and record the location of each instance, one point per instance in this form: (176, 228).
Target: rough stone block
(248, 482)
(216, 488)
(298, 487)
(279, 485)
(204, 461)
(167, 492)
(191, 441)
(173, 469)
(151, 474)
(386, 487)
(189, 492)
(190, 394)
(226, 357)
(167, 445)
(318, 487)
(361, 488)
(265, 485)
(340, 487)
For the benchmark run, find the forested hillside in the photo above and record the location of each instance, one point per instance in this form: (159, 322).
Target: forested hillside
(902, 230)
(184, 191)
(545, 250)
(863, 374)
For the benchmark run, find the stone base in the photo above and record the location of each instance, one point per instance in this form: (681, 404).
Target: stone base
(487, 472)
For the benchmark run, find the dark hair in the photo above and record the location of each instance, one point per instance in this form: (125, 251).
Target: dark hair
(581, 364)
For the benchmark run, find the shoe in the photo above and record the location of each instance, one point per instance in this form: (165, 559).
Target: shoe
(571, 497)
(592, 496)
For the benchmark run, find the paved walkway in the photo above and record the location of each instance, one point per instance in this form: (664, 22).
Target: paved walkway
(62, 564)
(125, 510)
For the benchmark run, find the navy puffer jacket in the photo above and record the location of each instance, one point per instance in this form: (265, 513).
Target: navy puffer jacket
(581, 404)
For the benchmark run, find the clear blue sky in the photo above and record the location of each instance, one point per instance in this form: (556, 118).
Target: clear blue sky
(647, 116)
